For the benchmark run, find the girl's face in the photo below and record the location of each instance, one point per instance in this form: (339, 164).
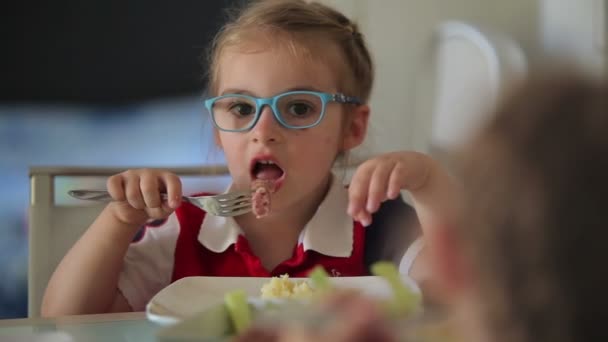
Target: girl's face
(300, 160)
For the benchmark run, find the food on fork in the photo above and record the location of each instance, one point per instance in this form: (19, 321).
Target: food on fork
(260, 200)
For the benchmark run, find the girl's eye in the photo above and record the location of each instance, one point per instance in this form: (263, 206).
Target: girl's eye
(242, 109)
(300, 109)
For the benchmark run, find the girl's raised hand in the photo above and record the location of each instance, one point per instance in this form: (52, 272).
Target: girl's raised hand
(137, 195)
(382, 178)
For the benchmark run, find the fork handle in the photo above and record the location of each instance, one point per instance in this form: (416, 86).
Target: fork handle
(91, 195)
(96, 195)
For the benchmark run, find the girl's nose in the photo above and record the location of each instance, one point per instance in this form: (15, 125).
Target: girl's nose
(267, 129)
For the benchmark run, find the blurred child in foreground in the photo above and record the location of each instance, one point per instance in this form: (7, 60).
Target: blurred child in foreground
(519, 256)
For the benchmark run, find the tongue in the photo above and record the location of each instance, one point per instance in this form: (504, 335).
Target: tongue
(269, 172)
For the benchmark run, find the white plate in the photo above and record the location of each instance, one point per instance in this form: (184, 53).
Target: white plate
(191, 295)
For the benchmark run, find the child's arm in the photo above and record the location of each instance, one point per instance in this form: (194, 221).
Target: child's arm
(383, 177)
(86, 280)
(432, 190)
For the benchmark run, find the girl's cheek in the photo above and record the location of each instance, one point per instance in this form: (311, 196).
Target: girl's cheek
(335, 143)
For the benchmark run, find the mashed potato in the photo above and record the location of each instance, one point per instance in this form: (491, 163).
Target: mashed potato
(282, 287)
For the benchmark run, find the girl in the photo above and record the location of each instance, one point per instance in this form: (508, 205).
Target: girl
(290, 82)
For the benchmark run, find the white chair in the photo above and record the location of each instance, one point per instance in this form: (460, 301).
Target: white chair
(56, 220)
(473, 67)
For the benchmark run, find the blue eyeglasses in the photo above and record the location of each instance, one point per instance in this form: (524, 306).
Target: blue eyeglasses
(293, 109)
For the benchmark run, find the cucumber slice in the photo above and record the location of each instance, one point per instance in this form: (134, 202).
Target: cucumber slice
(320, 279)
(238, 310)
(406, 301)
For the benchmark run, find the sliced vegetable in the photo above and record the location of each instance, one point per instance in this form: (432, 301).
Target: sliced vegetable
(238, 310)
(405, 301)
(320, 279)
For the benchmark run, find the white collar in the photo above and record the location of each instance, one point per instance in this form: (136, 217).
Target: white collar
(329, 232)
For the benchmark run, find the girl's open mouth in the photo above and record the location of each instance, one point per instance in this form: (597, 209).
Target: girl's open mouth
(267, 177)
(268, 171)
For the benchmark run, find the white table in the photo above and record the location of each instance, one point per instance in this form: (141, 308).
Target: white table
(118, 327)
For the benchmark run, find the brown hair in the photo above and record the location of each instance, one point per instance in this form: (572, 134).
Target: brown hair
(536, 193)
(301, 26)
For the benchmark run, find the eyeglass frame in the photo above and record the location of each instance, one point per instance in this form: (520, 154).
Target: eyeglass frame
(260, 102)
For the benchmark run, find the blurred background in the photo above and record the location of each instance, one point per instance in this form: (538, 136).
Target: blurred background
(121, 83)
(96, 83)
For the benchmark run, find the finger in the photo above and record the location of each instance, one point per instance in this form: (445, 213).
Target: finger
(358, 188)
(173, 186)
(335, 300)
(149, 185)
(352, 327)
(115, 186)
(255, 334)
(133, 191)
(159, 213)
(297, 333)
(378, 186)
(396, 181)
(364, 217)
(361, 320)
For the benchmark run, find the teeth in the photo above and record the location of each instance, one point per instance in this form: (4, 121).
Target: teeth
(266, 162)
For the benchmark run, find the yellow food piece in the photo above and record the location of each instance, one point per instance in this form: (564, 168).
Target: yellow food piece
(284, 288)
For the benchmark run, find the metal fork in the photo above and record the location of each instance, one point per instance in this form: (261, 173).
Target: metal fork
(228, 204)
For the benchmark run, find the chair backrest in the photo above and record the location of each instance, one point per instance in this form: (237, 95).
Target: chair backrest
(56, 220)
(473, 67)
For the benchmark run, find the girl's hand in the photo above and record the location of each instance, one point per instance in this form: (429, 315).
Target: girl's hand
(137, 195)
(382, 178)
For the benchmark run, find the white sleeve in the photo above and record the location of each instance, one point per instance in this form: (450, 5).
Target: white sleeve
(148, 264)
(410, 255)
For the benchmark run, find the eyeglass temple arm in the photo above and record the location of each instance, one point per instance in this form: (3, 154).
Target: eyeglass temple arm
(339, 97)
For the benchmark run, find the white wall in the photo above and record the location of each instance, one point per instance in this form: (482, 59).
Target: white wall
(576, 31)
(399, 35)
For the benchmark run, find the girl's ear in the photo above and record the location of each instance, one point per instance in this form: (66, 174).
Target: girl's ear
(216, 138)
(356, 127)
